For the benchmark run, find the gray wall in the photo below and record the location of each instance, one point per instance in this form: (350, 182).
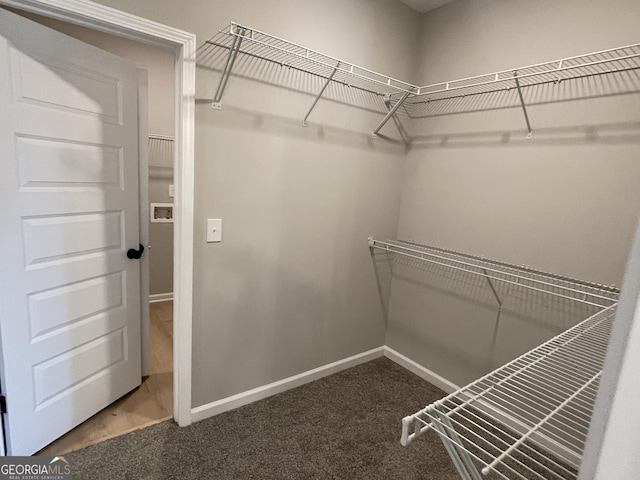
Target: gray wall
(291, 287)
(565, 201)
(159, 64)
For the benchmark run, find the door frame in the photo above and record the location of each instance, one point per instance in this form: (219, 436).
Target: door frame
(116, 22)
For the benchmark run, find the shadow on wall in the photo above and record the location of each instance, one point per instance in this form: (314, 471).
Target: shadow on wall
(288, 127)
(621, 133)
(300, 82)
(582, 122)
(383, 269)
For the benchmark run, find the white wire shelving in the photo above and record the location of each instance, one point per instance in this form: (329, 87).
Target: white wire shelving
(529, 418)
(596, 295)
(605, 62)
(161, 156)
(240, 40)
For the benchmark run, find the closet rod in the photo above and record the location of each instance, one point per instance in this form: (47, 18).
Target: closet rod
(587, 297)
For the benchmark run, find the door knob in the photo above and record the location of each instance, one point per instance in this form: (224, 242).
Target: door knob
(134, 254)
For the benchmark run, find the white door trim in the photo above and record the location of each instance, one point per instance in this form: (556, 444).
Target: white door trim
(116, 22)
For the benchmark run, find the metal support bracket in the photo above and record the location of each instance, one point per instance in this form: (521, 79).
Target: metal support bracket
(226, 73)
(457, 446)
(493, 288)
(393, 110)
(524, 107)
(304, 122)
(403, 133)
(453, 445)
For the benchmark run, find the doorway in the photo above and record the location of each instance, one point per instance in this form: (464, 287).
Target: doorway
(152, 401)
(183, 301)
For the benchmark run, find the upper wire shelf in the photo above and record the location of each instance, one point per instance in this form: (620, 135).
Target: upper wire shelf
(604, 62)
(240, 40)
(243, 40)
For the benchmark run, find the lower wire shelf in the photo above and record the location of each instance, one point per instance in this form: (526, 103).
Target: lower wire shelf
(528, 419)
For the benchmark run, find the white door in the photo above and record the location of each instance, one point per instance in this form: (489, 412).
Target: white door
(69, 296)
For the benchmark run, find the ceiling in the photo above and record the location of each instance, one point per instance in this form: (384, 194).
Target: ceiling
(424, 6)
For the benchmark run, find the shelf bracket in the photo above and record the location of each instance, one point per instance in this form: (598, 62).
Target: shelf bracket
(524, 107)
(315, 102)
(453, 444)
(393, 110)
(493, 288)
(226, 73)
(403, 133)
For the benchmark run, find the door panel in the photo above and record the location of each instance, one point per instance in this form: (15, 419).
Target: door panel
(50, 163)
(61, 309)
(69, 296)
(54, 83)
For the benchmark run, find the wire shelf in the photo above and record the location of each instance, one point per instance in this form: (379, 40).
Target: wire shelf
(400, 99)
(528, 419)
(160, 156)
(263, 46)
(604, 62)
(589, 293)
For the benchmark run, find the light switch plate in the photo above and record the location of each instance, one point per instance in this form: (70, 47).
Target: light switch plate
(172, 191)
(214, 230)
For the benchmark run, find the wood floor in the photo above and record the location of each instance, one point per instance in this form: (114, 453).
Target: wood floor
(150, 403)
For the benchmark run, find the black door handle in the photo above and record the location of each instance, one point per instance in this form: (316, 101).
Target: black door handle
(134, 254)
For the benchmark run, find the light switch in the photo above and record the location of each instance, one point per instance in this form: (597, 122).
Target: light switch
(172, 191)
(214, 230)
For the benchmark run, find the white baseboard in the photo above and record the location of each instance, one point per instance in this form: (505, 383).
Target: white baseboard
(160, 297)
(423, 372)
(250, 396)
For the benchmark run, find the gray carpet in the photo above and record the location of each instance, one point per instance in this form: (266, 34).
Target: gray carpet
(345, 426)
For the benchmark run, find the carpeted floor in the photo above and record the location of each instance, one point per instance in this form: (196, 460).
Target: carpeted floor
(343, 427)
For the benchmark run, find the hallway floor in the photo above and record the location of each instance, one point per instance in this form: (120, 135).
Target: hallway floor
(150, 403)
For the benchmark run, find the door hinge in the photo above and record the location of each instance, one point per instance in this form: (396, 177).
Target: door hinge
(3, 404)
